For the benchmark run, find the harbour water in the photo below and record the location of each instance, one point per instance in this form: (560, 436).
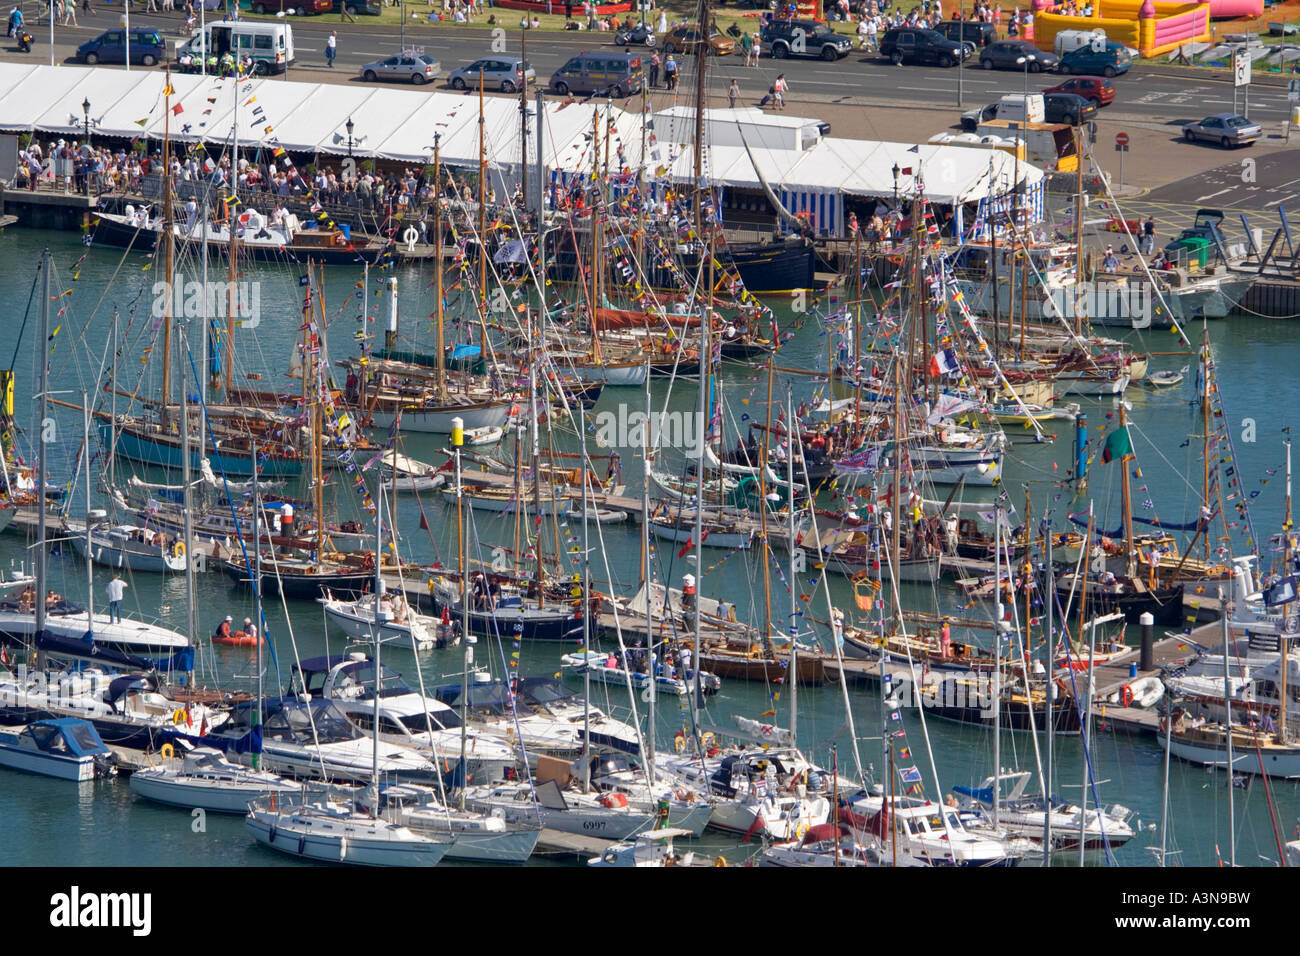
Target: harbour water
(103, 824)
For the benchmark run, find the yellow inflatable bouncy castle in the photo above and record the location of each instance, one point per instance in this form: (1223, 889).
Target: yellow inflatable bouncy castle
(1149, 27)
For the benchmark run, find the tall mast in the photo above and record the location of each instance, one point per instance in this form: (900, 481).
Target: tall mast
(47, 263)
(706, 360)
(523, 123)
(1205, 434)
(437, 261)
(90, 564)
(1126, 499)
(1078, 233)
(766, 550)
(1286, 608)
(995, 691)
(168, 251)
(793, 628)
(1227, 732)
(231, 220)
(1048, 689)
(191, 622)
(257, 588)
(645, 577)
(375, 634)
(482, 222)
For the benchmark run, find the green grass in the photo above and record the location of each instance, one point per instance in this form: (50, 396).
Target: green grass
(417, 17)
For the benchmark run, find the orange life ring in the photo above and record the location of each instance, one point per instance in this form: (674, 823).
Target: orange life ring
(1126, 696)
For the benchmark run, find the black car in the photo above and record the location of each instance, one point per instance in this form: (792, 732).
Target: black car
(1068, 108)
(979, 34)
(921, 46)
(1016, 55)
(804, 38)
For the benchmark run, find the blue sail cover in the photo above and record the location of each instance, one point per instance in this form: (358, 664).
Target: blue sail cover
(983, 795)
(1081, 520)
(85, 647)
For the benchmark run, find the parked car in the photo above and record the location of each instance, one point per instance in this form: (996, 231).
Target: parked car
(1226, 129)
(689, 39)
(971, 31)
(614, 74)
(1008, 54)
(147, 47)
(972, 119)
(1100, 91)
(921, 46)
(804, 38)
(354, 7)
(409, 66)
(504, 73)
(1068, 108)
(1111, 61)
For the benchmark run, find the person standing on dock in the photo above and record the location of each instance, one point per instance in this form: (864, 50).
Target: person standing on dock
(116, 589)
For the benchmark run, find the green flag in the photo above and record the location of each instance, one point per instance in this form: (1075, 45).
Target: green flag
(1117, 445)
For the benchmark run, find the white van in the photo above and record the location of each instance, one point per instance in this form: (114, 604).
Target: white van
(1069, 40)
(269, 44)
(1022, 108)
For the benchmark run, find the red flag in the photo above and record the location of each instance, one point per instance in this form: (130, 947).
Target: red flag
(177, 110)
(424, 522)
(685, 549)
(754, 827)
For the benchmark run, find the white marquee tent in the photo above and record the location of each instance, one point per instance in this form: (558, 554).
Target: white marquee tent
(401, 125)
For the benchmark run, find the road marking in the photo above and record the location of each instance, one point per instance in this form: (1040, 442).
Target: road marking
(1212, 195)
(1274, 202)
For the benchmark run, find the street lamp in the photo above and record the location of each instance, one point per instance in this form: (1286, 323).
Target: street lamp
(85, 110)
(896, 171)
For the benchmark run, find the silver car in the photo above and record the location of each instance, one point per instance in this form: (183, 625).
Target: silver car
(1226, 129)
(504, 73)
(409, 66)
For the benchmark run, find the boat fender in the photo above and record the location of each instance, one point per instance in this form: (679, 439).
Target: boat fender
(270, 834)
(273, 800)
(167, 751)
(180, 717)
(1126, 696)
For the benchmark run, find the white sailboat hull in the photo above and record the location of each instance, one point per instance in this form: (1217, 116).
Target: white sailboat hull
(715, 539)
(210, 794)
(437, 421)
(356, 840)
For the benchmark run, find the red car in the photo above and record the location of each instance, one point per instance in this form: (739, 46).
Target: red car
(1096, 88)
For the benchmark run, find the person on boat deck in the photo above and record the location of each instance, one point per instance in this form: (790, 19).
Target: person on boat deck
(614, 471)
(945, 640)
(116, 589)
(52, 599)
(27, 600)
(352, 386)
(611, 661)
(249, 628)
(223, 629)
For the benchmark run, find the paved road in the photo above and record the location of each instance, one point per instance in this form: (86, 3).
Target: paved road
(856, 79)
